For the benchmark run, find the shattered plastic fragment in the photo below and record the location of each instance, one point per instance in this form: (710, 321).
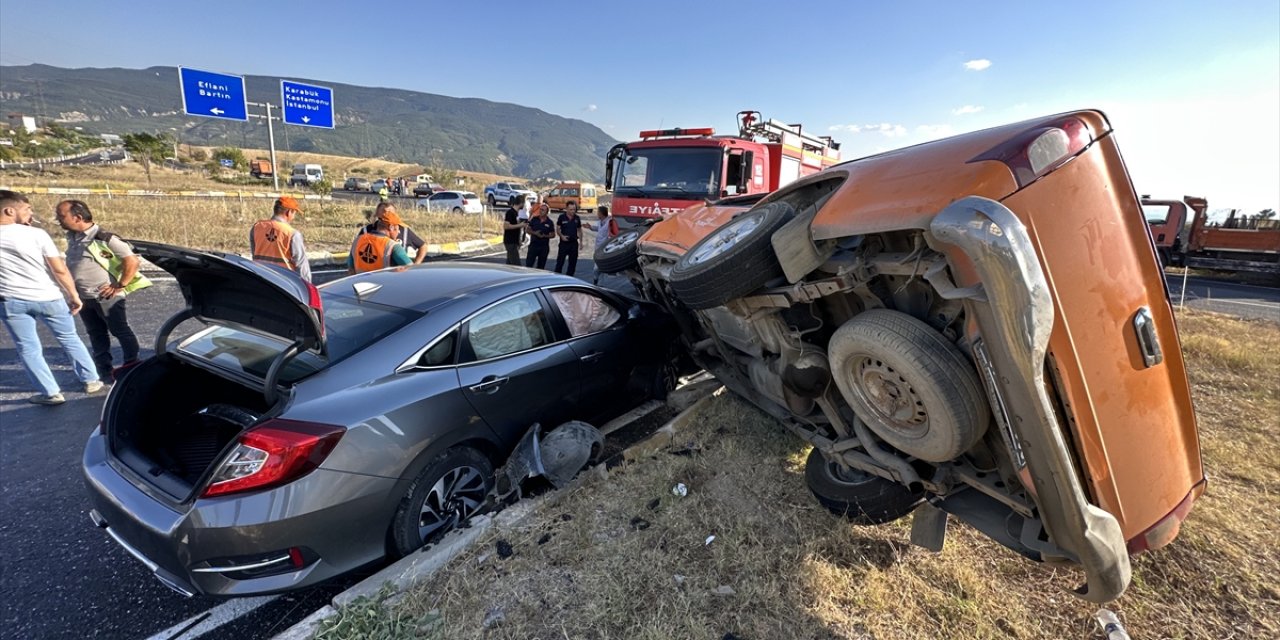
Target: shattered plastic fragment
(710, 539)
(680, 489)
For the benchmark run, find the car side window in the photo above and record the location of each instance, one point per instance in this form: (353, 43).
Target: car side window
(514, 325)
(436, 196)
(584, 312)
(442, 352)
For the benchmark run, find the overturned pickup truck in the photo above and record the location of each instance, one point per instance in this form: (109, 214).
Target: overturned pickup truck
(975, 326)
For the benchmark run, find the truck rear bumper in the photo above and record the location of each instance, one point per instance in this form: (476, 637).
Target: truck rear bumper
(1015, 315)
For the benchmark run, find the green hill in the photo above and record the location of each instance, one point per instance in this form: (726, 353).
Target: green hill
(394, 124)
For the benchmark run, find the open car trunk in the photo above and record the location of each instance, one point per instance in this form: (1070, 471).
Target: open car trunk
(171, 422)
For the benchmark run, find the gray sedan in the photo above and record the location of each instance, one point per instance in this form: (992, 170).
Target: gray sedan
(305, 432)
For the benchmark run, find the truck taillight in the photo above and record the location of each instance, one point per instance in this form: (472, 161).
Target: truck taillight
(271, 454)
(1035, 152)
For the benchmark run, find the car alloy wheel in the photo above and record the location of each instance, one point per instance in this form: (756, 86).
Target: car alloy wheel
(456, 496)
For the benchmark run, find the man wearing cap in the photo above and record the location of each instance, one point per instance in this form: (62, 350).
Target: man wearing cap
(379, 248)
(408, 238)
(276, 241)
(35, 284)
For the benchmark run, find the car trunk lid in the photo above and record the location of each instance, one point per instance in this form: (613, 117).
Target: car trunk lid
(226, 289)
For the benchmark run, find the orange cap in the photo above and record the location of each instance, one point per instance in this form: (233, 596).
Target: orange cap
(390, 217)
(289, 202)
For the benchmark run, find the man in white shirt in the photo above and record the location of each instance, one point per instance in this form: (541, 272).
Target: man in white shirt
(35, 283)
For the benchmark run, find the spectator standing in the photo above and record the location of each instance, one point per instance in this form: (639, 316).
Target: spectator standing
(541, 231)
(105, 272)
(384, 193)
(276, 241)
(408, 238)
(379, 248)
(605, 227)
(512, 230)
(35, 283)
(569, 229)
(524, 213)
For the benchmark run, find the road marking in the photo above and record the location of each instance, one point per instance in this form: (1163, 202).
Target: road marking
(203, 623)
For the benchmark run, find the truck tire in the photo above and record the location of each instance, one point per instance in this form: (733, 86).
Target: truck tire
(619, 253)
(448, 491)
(493, 202)
(909, 384)
(731, 261)
(859, 496)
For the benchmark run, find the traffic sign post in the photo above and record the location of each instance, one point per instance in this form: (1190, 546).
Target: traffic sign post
(306, 105)
(212, 95)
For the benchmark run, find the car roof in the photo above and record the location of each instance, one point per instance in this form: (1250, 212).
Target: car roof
(427, 286)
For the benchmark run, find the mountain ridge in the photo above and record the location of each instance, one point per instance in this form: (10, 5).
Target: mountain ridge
(472, 134)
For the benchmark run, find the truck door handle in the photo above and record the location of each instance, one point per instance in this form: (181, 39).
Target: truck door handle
(489, 384)
(592, 357)
(1145, 327)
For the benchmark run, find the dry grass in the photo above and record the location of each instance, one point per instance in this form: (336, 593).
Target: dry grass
(626, 559)
(222, 224)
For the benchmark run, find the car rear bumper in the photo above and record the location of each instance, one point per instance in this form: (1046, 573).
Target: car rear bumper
(339, 519)
(1015, 315)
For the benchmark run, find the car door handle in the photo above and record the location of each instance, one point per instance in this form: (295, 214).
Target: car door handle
(592, 357)
(1144, 325)
(489, 384)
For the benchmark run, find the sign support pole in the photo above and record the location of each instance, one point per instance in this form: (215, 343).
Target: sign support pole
(271, 135)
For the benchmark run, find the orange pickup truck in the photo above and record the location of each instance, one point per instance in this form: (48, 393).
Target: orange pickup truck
(975, 327)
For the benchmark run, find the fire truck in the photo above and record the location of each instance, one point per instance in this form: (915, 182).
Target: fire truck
(668, 170)
(1184, 237)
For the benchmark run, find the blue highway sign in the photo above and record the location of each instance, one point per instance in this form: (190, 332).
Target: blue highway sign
(306, 104)
(227, 162)
(212, 95)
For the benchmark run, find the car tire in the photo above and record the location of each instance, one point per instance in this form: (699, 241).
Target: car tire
(493, 202)
(860, 497)
(731, 261)
(619, 253)
(448, 491)
(909, 384)
(457, 209)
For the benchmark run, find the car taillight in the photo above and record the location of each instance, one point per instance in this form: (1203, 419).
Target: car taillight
(1164, 531)
(314, 301)
(1033, 153)
(273, 453)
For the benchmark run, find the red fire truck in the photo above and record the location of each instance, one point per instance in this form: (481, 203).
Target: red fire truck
(668, 170)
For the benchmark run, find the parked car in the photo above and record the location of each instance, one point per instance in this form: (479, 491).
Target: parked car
(379, 184)
(356, 184)
(305, 175)
(309, 431)
(975, 326)
(453, 201)
(581, 193)
(502, 193)
(424, 189)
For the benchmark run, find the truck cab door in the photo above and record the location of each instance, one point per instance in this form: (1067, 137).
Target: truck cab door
(610, 158)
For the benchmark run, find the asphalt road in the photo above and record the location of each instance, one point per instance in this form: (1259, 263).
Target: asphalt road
(61, 577)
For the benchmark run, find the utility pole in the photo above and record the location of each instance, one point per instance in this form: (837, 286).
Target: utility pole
(271, 135)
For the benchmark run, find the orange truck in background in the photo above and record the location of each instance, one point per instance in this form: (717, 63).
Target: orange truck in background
(261, 168)
(1184, 237)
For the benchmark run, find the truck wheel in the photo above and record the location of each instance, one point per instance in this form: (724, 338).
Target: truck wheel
(619, 253)
(733, 260)
(859, 496)
(448, 491)
(909, 384)
(493, 202)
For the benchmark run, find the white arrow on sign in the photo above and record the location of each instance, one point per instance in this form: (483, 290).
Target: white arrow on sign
(306, 118)
(216, 111)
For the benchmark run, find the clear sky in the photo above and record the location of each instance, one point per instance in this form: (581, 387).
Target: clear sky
(1192, 88)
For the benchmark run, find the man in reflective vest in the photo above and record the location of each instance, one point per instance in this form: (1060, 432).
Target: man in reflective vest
(105, 271)
(276, 241)
(380, 248)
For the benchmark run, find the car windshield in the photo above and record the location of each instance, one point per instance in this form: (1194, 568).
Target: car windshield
(519, 187)
(470, 196)
(672, 172)
(349, 327)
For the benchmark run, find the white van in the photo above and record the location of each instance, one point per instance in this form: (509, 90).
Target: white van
(306, 175)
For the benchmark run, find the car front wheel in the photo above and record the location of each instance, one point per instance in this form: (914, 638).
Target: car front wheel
(731, 261)
(449, 490)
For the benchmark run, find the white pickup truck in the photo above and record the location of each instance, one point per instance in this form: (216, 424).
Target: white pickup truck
(503, 192)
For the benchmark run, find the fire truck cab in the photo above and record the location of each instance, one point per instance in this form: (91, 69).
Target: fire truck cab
(668, 170)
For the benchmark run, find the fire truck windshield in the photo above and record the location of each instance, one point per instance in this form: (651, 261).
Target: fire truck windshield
(688, 173)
